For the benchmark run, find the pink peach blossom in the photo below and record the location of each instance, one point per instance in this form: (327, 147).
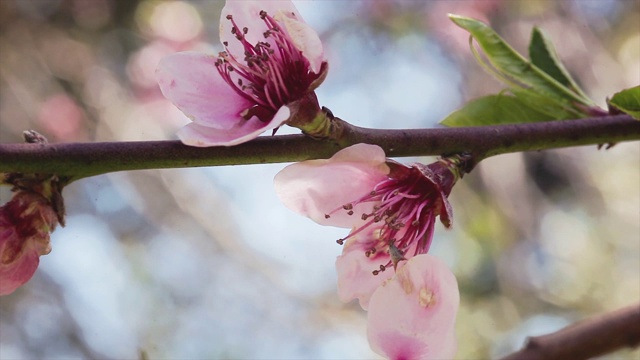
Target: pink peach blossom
(413, 314)
(314, 188)
(362, 253)
(390, 207)
(25, 223)
(265, 77)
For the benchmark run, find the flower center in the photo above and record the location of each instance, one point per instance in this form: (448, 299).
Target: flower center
(403, 216)
(267, 77)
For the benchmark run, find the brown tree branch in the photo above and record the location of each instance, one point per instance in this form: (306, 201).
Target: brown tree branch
(586, 339)
(77, 160)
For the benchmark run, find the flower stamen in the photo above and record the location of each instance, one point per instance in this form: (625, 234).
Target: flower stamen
(259, 78)
(405, 207)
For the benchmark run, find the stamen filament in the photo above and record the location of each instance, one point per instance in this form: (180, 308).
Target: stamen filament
(272, 73)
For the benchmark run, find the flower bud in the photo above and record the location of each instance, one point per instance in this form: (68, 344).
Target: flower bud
(25, 223)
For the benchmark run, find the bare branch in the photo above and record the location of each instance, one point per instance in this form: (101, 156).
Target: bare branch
(586, 339)
(77, 160)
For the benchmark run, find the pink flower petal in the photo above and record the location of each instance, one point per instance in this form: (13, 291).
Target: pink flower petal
(412, 315)
(192, 82)
(306, 40)
(194, 134)
(365, 154)
(355, 269)
(405, 347)
(247, 14)
(355, 277)
(316, 187)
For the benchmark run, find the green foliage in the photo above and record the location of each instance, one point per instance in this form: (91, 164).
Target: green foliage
(493, 110)
(544, 56)
(627, 101)
(542, 87)
(553, 108)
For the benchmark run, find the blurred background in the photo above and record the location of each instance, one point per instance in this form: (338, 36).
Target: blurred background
(206, 263)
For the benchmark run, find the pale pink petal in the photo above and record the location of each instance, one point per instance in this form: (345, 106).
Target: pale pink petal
(365, 154)
(402, 346)
(412, 315)
(192, 82)
(354, 268)
(316, 187)
(247, 14)
(306, 40)
(194, 134)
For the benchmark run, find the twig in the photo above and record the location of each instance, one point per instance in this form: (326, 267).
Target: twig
(586, 339)
(77, 160)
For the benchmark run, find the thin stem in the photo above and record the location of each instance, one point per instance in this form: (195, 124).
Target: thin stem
(586, 339)
(78, 160)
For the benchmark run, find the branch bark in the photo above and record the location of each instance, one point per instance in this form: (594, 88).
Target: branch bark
(78, 160)
(586, 339)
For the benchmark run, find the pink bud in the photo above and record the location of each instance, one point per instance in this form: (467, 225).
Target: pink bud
(25, 223)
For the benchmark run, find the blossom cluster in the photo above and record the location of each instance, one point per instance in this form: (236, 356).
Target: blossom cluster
(266, 77)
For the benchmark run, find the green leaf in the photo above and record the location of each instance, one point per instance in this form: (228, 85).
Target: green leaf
(494, 110)
(513, 68)
(555, 109)
(544, 56)
(627, 101)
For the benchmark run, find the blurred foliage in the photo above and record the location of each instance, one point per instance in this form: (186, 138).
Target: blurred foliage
(204, 263)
